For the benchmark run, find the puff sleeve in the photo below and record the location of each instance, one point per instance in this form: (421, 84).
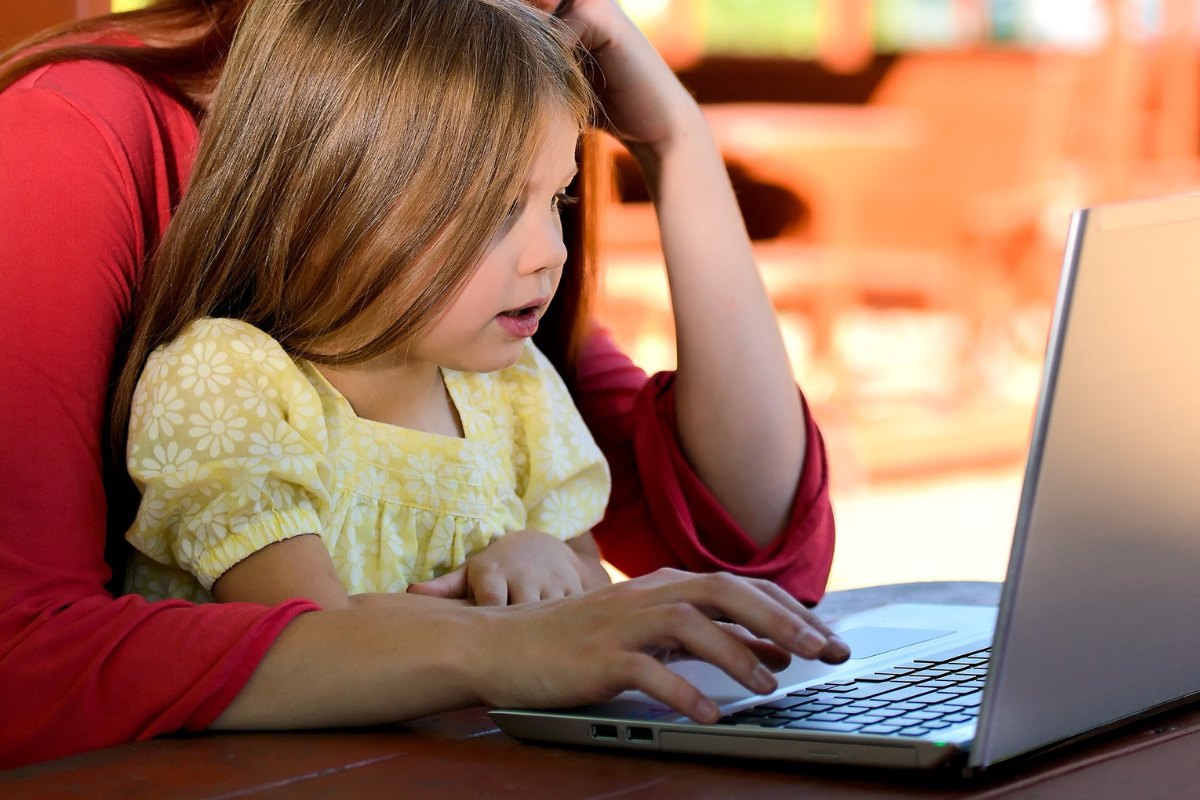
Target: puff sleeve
(227, 442)
(562, 477)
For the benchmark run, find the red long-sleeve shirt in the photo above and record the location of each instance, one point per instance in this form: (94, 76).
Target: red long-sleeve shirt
(92, 163)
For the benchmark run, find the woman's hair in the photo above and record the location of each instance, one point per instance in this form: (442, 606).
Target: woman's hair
(357, 159)
(199, 32)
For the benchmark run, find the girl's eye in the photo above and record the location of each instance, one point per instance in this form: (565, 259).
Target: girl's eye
(563, 199)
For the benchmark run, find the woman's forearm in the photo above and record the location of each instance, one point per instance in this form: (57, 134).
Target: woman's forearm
(359, 666)
(740, 419)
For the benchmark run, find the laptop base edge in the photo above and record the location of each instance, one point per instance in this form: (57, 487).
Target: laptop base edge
(759, 744)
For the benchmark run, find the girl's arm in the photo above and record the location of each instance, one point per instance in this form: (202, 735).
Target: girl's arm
(523, 566)
(740, 419)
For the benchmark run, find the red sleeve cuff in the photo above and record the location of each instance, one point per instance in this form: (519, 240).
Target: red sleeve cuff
(256, 642)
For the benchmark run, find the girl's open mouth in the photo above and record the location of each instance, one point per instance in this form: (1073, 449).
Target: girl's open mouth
(520, 323)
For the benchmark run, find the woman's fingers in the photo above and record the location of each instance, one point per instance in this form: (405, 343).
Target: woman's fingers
(683, 627)
(724, 596)
(773, 657)
(836, 651)
(643, 673)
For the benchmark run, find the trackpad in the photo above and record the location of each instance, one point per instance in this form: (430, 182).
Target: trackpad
(867, 642)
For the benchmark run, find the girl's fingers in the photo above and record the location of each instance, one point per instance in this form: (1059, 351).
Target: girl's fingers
(643, 673)
(452, 585)
(523, 591)
(490, 588)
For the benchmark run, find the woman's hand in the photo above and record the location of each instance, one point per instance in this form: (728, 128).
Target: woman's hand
(592, 647)
(522, 567)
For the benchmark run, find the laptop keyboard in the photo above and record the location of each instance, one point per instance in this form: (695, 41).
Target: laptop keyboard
(911, 699)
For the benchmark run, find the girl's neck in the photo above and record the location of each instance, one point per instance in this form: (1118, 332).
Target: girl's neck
(404, 394)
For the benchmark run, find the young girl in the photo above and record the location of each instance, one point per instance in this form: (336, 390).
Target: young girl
(341, 310)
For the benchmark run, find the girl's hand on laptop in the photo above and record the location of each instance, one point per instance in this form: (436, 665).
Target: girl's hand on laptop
(594, 646)
(522, 567)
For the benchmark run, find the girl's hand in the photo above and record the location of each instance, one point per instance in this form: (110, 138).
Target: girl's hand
(590, 648)
(643, 102)
(522, 567)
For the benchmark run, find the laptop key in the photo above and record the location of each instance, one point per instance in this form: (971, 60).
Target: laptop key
(835, 702)
(890, 712)
(827, 727)
(908, 706)
(957, 718)
(783, 702)
(773, 722)
(937, 724)
(881, 729)
(866, 719)
(973, 699)
(905, 693)
(753, 712)
(865, 691)
(913, 731)
(828, 717)
(939, 697)
(793, 714)
(923, 715)
(905, 721)
(943, 708)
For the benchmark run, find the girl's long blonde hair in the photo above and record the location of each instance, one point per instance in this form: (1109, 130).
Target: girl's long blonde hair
(358, 157)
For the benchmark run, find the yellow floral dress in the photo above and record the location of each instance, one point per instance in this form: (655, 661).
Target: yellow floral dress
(234, 446)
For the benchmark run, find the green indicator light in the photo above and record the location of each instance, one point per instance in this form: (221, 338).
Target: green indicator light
(939, 744)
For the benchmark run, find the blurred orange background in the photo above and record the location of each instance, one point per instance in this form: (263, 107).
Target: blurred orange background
(907, 169)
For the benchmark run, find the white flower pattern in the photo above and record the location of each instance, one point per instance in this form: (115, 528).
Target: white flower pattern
(237, 446)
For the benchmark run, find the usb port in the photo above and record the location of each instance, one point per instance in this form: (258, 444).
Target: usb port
(639, 734)
(604, 731)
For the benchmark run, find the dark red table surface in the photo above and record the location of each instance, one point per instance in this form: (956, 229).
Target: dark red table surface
(462, 754)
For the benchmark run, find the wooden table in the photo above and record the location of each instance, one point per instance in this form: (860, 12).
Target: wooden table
(462, 755)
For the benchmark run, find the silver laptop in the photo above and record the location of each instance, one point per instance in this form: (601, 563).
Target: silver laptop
(1097, 625)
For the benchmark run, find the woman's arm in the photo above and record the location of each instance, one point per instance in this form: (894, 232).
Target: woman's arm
(362, 666)
(740, 420)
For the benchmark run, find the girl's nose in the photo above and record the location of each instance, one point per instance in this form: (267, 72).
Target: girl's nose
(544, 251)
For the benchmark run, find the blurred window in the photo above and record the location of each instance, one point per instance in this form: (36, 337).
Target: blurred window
(794, 28)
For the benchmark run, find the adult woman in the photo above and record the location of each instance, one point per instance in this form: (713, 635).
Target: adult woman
(94, 160)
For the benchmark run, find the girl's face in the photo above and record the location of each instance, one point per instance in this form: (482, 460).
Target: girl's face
(484, 329)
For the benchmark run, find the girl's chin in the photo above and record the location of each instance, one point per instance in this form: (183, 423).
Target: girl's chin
(492, 358)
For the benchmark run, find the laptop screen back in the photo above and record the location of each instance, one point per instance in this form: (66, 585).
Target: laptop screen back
(1100, 618)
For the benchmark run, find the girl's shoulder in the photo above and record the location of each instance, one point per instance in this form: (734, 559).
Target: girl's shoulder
(212, 353)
